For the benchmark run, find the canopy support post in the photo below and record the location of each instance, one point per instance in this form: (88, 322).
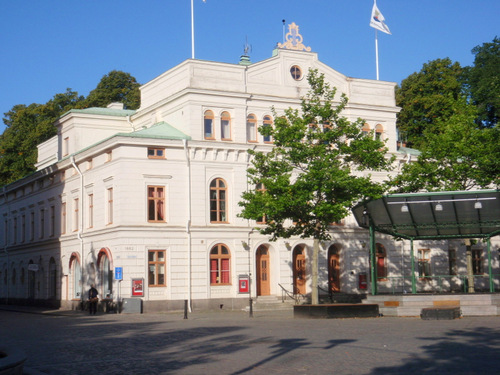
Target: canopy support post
(490, 272)
(413, 279)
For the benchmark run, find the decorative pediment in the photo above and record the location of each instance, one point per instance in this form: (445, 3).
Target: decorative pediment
(294, 39)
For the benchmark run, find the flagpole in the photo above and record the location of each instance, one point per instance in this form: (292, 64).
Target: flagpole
(192, 30)
(376, 52)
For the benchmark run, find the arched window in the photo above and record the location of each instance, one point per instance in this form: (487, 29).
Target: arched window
(225, 126)
(378, 132)
(76, 277)
(381, 255)
(105, 274)
(220, 261)
(52, 278)
(209, 125)
(365, 129)
(218, 203)
(268, 121)
(251, 128)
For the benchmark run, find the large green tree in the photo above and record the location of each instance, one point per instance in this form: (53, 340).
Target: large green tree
(315, 172)
(483, 79)
(116, 86)
(460, 156)
(426, 98)
(29, 125)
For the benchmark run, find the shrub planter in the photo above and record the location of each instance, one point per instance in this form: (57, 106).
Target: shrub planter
(336, 311)
(11, 361)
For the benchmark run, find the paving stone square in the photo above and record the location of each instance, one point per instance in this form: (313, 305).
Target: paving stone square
(233, 343)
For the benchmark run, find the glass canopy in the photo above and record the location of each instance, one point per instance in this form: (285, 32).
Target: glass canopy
(439, 215)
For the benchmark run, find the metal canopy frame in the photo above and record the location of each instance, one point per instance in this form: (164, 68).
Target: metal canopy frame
(431, 216)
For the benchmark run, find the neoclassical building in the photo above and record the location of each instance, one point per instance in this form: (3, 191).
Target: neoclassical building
(144, 203)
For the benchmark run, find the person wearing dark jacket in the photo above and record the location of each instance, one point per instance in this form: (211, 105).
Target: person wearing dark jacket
(93, 299)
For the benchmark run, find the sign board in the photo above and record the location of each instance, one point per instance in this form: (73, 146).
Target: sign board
(243, 284)
(137, 287)
(118, 273)
(33, 267)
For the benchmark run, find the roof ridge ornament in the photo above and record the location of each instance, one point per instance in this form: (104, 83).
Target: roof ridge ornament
(294, 39)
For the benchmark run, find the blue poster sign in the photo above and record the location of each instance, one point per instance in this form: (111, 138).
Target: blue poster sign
(118, 273)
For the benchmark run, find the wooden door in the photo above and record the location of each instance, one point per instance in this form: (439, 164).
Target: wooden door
(263, 275)
(333, 269)
(299, 270)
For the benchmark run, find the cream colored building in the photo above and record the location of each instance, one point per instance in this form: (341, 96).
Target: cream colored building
(154, 193)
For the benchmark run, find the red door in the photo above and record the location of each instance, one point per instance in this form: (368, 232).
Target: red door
(333, 269)
(299, 270)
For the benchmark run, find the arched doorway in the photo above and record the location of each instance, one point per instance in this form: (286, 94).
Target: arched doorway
(333, 269)
(299, 270)
(263, 271)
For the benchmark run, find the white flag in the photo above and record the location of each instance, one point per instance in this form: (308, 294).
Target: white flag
(377, 20)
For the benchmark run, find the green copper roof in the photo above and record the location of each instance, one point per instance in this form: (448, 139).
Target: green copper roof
(103, 111)
(158, 130)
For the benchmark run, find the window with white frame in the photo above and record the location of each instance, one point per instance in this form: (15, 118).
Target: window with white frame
(225, 126)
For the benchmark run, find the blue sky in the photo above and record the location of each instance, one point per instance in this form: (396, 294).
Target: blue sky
(50, 45)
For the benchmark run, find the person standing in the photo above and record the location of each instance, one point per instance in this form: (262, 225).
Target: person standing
(93, 299)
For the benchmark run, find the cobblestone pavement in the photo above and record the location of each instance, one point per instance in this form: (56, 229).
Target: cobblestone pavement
(232, 343)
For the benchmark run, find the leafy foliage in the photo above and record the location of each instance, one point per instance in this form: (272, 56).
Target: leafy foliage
(116, 86)
(460, 156)
(28, 126)
(483, 79)
(312, 175)
(428, 97)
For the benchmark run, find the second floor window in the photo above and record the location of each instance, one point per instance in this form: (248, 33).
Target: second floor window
(218, 204)
(156, 203)
(156, 153)
(225, 126)
(267, 122)
(251, 128)
(208, 125)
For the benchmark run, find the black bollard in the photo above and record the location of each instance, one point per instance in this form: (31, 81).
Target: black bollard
(185, 309)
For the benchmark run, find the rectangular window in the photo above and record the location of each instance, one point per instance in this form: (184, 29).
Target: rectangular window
(110, 205)
(76, 215)
(42, 223)
(32, 226)
(452, 261)
(208, 124)
(15, 230)
(156, 203)
(52, 221)
(424, 263)
(156, 153)
(91, 210)
(63, 218)
(156, 268)
(23, 228)
(477, 266)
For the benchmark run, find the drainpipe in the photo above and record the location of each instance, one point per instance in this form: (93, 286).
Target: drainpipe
(80, 219)
(188, 222)
(6, 246)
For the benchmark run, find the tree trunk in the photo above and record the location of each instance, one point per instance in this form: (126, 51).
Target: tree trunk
(314, 273)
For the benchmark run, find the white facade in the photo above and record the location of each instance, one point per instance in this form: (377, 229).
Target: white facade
(86, 210)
